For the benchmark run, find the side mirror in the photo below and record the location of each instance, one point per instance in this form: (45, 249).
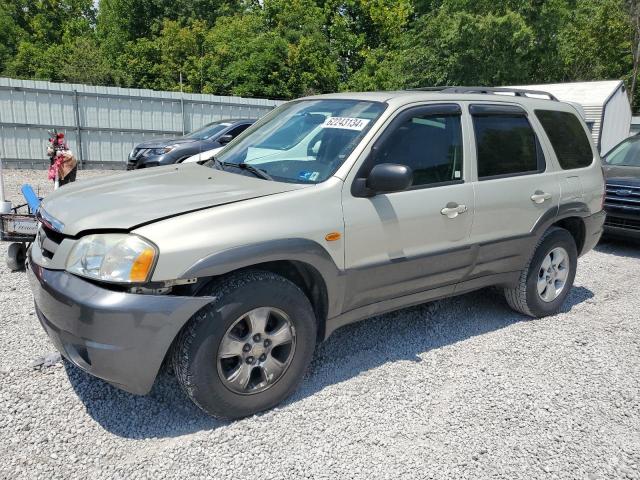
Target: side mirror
(224, 139)
(384, 178)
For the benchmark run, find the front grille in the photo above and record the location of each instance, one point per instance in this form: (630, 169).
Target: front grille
(627, 223)
(133, 158)
(623, 197)
(49, 240)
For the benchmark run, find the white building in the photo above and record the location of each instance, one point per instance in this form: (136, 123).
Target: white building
(605, 105)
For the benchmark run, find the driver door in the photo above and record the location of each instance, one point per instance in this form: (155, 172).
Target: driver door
(418, 239)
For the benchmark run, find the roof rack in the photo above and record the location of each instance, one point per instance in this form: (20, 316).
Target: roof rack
(517, 92)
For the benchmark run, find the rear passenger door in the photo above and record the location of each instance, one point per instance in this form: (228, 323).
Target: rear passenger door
(515, 187)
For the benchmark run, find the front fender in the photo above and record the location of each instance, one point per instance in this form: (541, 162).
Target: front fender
(287, 249)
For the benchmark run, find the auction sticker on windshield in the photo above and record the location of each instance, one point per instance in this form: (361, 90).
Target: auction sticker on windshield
(347, 123)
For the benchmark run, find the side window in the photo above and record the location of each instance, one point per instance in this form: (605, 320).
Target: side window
(431, 144)
(567, 138)
(506, 145)
(234, 132)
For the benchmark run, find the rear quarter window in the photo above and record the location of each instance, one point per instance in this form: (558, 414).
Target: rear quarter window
(567, 137)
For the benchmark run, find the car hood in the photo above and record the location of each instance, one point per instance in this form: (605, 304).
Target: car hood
(127, 200)
(165, 142)
(622, 175)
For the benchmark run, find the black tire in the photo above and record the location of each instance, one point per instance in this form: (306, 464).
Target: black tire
(524, 297)
(195, 355)
(16, 256)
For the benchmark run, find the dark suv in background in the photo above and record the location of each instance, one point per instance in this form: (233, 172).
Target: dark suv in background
(622, 203)
(166, 151)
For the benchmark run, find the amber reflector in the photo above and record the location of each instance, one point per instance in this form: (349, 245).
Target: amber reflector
(142, 266)
(333, 236)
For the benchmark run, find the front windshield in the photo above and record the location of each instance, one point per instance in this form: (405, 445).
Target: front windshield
(627, 154)
(304, 141)
(208, 131)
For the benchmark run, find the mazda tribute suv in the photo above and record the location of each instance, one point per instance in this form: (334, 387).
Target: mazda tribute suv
(328, 210)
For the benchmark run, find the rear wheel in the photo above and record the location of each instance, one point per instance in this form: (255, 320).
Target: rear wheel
(546, 281)
(249, 349)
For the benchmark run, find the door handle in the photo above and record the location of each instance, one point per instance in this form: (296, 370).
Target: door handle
(452, 210)
(540, 197)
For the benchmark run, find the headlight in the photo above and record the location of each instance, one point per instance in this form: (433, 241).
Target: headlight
(169, 148)
(117, 257)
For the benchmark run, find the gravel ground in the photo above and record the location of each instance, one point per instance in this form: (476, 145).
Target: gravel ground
(461, 388)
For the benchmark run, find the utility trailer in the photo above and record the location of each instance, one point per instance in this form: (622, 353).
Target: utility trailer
(605, 105)
(18, 224)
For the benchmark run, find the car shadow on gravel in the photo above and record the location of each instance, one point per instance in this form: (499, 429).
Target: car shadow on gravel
(165, 412)
(402, 335)
(620, 247)
(407, 334)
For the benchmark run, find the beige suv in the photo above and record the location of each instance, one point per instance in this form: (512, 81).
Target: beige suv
(327, 211)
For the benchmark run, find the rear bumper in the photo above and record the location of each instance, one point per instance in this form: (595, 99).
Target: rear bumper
(594, 225)
(119, 337)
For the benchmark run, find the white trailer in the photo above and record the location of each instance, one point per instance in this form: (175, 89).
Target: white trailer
(605, 105)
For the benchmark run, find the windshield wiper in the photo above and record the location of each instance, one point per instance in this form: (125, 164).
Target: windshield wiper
(242, 166)
(256, 171)
(245, 166)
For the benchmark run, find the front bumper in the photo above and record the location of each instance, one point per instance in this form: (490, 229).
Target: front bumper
(623, 223)
(148, 161)
(119, 337)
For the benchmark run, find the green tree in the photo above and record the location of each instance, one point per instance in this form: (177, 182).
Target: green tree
(283, 52)
(53, 35)
(10, 32)
(157, 62)
(596, 44)
(256, 66)
(122, 21)
(288, 48)
(356, 28)
(454, 48)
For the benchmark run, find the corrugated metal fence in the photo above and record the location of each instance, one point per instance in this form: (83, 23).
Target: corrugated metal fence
(102, 124)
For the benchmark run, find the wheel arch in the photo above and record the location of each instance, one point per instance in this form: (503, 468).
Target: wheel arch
(571, 217)
(576, 227)
(303, 262)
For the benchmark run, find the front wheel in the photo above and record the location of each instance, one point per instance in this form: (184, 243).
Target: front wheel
(16, 256)
(546, 281)
(249, 349)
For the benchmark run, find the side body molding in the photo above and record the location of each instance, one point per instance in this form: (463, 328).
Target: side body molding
(495, 263)
(287, 249)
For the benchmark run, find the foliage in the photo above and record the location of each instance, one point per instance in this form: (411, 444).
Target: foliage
(596, 43)
(289, 48)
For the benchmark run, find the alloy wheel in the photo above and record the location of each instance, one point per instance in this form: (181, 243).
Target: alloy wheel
(256, 350)
(553, 274)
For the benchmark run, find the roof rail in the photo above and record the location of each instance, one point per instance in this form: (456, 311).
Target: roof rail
(517, 92)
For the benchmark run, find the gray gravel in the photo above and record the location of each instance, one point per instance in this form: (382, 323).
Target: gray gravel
(461, 388)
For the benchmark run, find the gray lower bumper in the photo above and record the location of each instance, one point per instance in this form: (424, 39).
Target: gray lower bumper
(119, 337)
